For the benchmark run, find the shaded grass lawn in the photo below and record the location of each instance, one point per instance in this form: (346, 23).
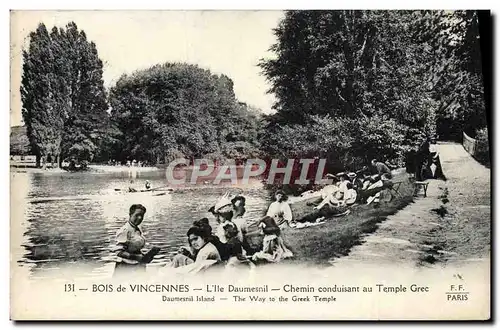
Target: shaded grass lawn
(319, 244)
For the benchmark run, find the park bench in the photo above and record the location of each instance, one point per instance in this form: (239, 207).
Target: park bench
(419, 185)
(394, 189)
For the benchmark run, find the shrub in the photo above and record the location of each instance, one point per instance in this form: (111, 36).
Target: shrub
(346, 143)
(482, 152)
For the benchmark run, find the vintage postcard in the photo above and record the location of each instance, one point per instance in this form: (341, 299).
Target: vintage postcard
(250, 165)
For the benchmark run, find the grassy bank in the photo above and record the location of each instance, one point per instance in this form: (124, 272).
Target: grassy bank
(319, 244)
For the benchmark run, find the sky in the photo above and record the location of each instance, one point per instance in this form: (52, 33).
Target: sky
(229, 42)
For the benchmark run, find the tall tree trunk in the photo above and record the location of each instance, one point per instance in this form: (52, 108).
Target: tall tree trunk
(52, 158)
(44, 163)
(55, 160)
(38, 161)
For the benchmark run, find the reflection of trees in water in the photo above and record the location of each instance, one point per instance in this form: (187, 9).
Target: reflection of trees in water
(71, 231)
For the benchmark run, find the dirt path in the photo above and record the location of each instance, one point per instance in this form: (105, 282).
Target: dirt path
(450, 225)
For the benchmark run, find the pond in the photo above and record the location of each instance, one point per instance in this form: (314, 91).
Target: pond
(71, 218)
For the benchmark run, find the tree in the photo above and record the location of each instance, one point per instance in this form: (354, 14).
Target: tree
(456, 70)
(179, 110)
(19, 141)
(40, 96)
(411, 70)
(86, 121)
(63, 95)
(355, 66)
(344, 63)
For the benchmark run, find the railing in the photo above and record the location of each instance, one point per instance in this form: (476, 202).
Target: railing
(469, 144)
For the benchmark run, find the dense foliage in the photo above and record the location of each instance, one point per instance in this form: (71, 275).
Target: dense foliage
(19, 142)
(63, 95)
(456, 70)
(352, 85)
(482, 152)
(180, 110)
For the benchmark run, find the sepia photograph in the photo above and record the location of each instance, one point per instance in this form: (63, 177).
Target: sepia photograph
(250, 165)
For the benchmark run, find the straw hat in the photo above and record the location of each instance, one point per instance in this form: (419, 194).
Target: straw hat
(223, 204)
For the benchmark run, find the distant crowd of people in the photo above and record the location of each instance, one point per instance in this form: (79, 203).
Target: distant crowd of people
(128, 163)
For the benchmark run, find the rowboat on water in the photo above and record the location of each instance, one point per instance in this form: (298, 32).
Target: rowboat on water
(163, 191)
(108, 194)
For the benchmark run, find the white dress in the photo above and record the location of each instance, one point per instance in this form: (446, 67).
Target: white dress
(206, 257)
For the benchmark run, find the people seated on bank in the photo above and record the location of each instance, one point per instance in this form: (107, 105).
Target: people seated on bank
(239, 211)
(234, 247)
(335, 205)
(280, 210)
(241, 220)
(382, 169)
(343, 180)
(338, 183)
(327, 190)
(377, 184)
(274, 248)
(231, 211)
(351, 177)
(367, 181)
(147, 185)
(183, 252)
(345, 197)
(223, 213)
(130, 242)
(359, 178)
(201, 253)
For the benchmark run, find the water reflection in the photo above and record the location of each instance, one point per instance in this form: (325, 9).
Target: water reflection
(72, 218)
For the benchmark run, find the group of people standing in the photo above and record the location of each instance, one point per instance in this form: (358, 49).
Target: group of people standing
(228, 245)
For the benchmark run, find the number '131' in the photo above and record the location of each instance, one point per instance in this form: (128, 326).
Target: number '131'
(69, 288)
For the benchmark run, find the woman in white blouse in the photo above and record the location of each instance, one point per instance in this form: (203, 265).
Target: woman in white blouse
(130, 242)
(280, 210)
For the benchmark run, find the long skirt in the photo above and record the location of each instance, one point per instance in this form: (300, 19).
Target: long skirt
(437, 173)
